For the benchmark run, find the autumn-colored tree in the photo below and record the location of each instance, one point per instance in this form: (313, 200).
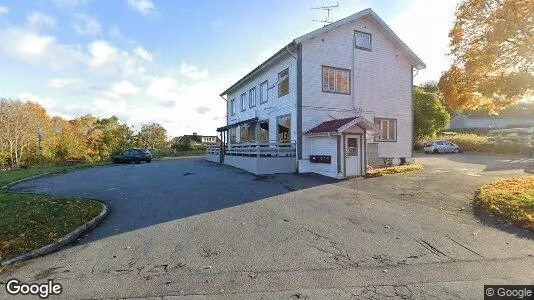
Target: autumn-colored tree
(492, 44)
(19, 124)
(152, 136)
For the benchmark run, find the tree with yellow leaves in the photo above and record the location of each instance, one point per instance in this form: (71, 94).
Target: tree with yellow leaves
(492, 44)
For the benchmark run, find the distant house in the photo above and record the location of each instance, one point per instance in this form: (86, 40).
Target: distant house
(323, 103)
(465, 121)
(202, 140)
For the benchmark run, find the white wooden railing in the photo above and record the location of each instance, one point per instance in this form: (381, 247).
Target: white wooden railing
(256, 149)
(213, 150)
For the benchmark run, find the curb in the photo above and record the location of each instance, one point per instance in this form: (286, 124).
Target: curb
(24, 179)
(65, 240)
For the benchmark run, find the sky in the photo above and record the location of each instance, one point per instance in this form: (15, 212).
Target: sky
(167, 61)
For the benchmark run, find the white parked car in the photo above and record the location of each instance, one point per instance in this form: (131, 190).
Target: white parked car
(441, 147)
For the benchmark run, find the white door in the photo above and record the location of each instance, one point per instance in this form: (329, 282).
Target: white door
(352, 155)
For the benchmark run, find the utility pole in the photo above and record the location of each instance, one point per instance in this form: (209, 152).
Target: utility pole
(40, 149)
(327, 9)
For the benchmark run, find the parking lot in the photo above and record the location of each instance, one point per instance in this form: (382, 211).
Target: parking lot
(188, 227)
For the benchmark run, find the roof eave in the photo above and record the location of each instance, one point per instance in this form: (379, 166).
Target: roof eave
(258, 68)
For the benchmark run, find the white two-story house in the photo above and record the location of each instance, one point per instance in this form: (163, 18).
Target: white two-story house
(327, 102)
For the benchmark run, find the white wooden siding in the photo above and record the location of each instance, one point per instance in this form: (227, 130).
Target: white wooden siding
(380, 83)
(275, 106)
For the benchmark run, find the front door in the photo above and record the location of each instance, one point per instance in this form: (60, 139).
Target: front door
(352, 156)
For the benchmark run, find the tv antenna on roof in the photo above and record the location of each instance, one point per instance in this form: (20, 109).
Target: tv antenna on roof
(327, 9)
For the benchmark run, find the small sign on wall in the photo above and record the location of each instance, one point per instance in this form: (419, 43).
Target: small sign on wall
(321, 159)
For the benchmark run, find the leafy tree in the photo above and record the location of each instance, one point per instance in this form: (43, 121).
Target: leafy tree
(19, 123)
(152, 136)
(182, 143)
(116, 136)
(430, 115)
(492, 43)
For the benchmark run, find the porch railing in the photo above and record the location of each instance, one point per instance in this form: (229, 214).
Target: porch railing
(213, 150)
(261, 149)
(256, 149)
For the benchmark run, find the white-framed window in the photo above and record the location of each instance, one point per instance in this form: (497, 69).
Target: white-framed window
(283, 131)
(336, 80)
(233, 135)
(242, 101)
(252, 97)
(388, 128)
(283, 83)
(244, 133)
(264, 92)
(232, 106)
(363, 40)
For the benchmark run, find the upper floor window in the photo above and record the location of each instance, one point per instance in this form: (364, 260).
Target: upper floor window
(252, 97)
(264, 94)
(388, 128)
(283, 83)
(232, 106)
(242, 100)
(363, 40)
(336, 80)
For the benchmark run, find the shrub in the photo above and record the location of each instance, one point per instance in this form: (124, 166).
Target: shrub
(393, 170)
(512, 199)
(470, 142)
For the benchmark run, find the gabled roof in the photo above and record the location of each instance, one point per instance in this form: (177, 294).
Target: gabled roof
(340, 125)
(414, 59)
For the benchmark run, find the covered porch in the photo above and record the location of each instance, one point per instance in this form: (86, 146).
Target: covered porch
(246, 145)
(338, 148)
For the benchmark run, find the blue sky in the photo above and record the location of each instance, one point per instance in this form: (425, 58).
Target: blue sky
(167, 61)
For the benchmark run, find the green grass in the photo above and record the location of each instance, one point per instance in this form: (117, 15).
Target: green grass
(393, 170)
(7, 177)
(512, 199)
(28, 221)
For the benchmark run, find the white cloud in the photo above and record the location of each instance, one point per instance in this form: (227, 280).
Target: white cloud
(4, 10)
(87, 25)
(144, 54)
(37, 19)
(424, 26)
(143, 6)
(28, 46)
(106, 108)
(124, 88)
(25, 45)
(62, 82)
(193, 72)
(47, 103)
(101, 52)
(163, 88)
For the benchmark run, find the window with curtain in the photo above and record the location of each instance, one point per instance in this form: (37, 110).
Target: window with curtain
(336, 80)
(388, 128)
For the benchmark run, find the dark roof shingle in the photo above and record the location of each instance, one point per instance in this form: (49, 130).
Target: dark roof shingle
(330, 126)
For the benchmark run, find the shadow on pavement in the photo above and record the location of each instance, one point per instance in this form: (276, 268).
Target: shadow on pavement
(499, 223)
(140, 196)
